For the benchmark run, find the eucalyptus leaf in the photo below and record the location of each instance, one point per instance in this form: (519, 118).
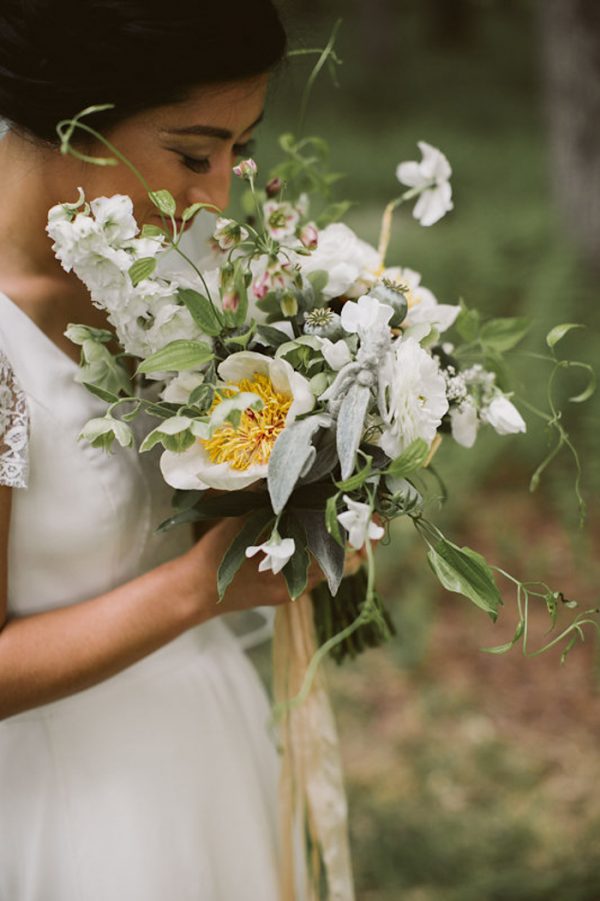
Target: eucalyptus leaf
(177, 356)
(235, 554)
(350, 425)
(464, 571)
(289, 456)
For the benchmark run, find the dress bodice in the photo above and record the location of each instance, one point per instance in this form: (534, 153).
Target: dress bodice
(86, 521)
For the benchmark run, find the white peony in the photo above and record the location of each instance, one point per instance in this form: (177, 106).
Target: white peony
(423, 307)
(236, 458)
(350, 263)
(432, 175)
(412, 396)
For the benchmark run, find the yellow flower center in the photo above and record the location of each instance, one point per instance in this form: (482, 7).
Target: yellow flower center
(252, 441)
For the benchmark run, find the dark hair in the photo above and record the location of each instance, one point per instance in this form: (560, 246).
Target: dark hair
(59, 56)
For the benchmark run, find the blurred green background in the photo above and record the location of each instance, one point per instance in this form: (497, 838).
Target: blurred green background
(473, 776)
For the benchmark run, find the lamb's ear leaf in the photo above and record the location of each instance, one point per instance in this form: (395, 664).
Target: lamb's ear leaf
(291, 452)
(235, 554)
(328, 553)
(296, 569)
(350, 426)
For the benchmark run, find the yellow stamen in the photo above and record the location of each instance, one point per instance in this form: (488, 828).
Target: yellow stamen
(252, 441)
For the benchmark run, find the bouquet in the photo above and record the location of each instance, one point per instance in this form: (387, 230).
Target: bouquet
(298, 364)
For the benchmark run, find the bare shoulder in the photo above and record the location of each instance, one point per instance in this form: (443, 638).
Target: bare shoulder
(5, 504)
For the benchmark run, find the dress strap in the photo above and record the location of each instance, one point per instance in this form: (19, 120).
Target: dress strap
(14, 428)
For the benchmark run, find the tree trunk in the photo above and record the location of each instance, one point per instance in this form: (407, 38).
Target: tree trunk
(571, 59)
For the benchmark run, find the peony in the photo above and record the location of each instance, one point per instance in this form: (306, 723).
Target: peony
(431, 175)
(412, 396)
(349, 262)
(423, 307)
(237, 457)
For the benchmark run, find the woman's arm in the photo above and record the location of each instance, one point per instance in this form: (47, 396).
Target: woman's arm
(47, 656)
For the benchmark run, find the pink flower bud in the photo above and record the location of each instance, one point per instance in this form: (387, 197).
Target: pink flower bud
(246, 169)
(261, 285)
(230, 301)
(273, 187)
(309, 236)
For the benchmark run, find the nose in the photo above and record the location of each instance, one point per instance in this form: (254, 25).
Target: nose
(213, 188)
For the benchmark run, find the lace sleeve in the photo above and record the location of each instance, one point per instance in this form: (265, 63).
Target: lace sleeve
(14, 429)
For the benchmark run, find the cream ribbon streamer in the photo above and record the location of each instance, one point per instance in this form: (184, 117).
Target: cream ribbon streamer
(312, 800)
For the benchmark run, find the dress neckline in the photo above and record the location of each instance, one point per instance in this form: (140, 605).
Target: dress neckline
(57, 350)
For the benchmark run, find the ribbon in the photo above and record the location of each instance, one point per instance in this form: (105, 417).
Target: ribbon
(312, 802)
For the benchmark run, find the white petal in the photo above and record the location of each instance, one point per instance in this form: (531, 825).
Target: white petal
(193, 469)
(464, 423)
(409, 174)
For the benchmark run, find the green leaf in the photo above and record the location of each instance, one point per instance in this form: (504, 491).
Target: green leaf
(559, 331)
(164, 201)
(142, 269)
(318, 279)
(235, 554)
(358, 478)
(177, 356)
(273, 336)
(503, 334)
(328, 552)
(296, 569)
(108, 396)
(409, 460)
(202, 311)
(195, 208)
(333, 213)
(465, 572)
(503, 648)
(467, 323)
(152, 231)
(590, 388)
(331, 521)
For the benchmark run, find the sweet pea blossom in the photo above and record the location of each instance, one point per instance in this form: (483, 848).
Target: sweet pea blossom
(503, 416)
(277, 553)
(357, 521)
(431, 176)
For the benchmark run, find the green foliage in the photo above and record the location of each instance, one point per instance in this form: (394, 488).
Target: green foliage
(203, 312)
(178, 356)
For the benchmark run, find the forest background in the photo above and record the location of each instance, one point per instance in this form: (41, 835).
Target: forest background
(472, 777)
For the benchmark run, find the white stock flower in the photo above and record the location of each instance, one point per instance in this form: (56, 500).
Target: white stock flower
(366, 315)
(277, 553)
(465, 423)
(237, 457)
(115, 217)
(423, 308)
(503, 416)
(412, 396)
(357, 521)
(431, 174)
(349, 262)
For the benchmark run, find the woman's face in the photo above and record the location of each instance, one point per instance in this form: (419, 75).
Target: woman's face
(188, 148)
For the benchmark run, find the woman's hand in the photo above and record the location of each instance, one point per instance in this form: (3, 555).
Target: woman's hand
(249, 588)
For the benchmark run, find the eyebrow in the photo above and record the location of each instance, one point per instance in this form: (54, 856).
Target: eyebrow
(209, 131)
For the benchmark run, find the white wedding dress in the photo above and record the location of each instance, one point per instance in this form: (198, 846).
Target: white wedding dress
(159, 784)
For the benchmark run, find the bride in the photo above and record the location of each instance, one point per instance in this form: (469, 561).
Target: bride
(136, 761)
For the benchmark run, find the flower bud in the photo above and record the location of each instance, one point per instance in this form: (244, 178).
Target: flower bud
(288, 303)
(273, 187)
(393, 296)
(309, 236)
(246, 169)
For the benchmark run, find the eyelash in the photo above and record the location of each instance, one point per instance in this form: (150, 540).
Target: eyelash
(203, 165)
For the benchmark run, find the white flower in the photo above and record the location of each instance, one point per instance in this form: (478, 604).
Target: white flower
(115, 217)
(336, 353)
(423, 307)
(277, 553)
(366, 315)
(228, 233)
(349, 262)
(412, 396)
(464, 422)
(236, 458)
(178, 390)
(357, 521)
(281, 219)
(503, 416)
(432, 175)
